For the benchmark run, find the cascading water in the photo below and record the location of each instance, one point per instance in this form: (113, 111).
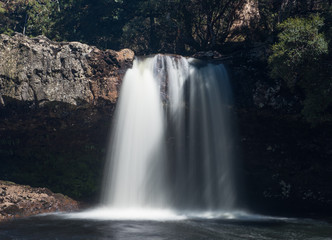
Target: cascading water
(171, 149)
(171, 144)
(135, 174)
(203, 141)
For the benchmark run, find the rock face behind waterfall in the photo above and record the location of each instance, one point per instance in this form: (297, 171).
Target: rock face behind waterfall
(22, 201)
(56, 104)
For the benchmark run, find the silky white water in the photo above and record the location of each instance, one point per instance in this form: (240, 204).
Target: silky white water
(135, 174)
(171, 150)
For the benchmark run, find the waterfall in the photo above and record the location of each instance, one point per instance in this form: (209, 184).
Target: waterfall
(171, 145)
(135, 172)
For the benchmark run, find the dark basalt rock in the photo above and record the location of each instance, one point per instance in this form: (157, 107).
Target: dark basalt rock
(286, 160)
(286, 163)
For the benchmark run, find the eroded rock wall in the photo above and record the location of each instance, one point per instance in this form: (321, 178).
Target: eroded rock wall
(56, 107)
(39, 70)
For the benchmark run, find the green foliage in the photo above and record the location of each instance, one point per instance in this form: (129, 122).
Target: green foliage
(149, 26)
(273, 12)
(300, 45)
(2, 10)
(300, 59)
(39, 17)
(212, 20)
(268, 17)
(143, 25)
(178, 26)
(93, 22)
(31, 17)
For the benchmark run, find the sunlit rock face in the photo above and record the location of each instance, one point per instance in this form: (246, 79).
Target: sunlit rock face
(22, 201)
(40, 71)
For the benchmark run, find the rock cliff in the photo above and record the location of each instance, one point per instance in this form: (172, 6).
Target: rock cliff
(56, 104)
(38, 70)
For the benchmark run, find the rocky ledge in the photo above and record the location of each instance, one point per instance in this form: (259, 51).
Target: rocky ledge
(22, 201)
(39, 70)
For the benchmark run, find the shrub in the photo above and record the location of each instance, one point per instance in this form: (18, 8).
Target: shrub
(300, 58)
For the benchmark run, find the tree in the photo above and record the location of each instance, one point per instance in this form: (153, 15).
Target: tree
(12, 16)
(150, 25)
(181, 25)
(207, 23)
(30, 17)
(300, 59)
(39, 19)
(95, 22)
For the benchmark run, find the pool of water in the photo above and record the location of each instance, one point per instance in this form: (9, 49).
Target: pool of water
(57, 227)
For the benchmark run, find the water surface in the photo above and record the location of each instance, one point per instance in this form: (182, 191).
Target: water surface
(58, 228)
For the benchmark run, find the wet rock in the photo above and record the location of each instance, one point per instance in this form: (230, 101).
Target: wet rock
(23, 201)
(275, 96)
(108, 69)
(285, 170)
(12, 210)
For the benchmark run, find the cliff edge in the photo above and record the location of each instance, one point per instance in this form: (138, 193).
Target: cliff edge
(38, 70)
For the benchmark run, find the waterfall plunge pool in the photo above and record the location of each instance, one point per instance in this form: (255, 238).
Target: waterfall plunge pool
(59, 226)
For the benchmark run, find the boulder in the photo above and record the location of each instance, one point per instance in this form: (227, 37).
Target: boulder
(22, 201)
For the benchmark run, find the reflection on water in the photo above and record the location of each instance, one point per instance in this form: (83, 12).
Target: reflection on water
(57, 228)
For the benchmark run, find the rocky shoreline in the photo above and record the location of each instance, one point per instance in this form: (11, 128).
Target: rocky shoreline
(17, 201)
